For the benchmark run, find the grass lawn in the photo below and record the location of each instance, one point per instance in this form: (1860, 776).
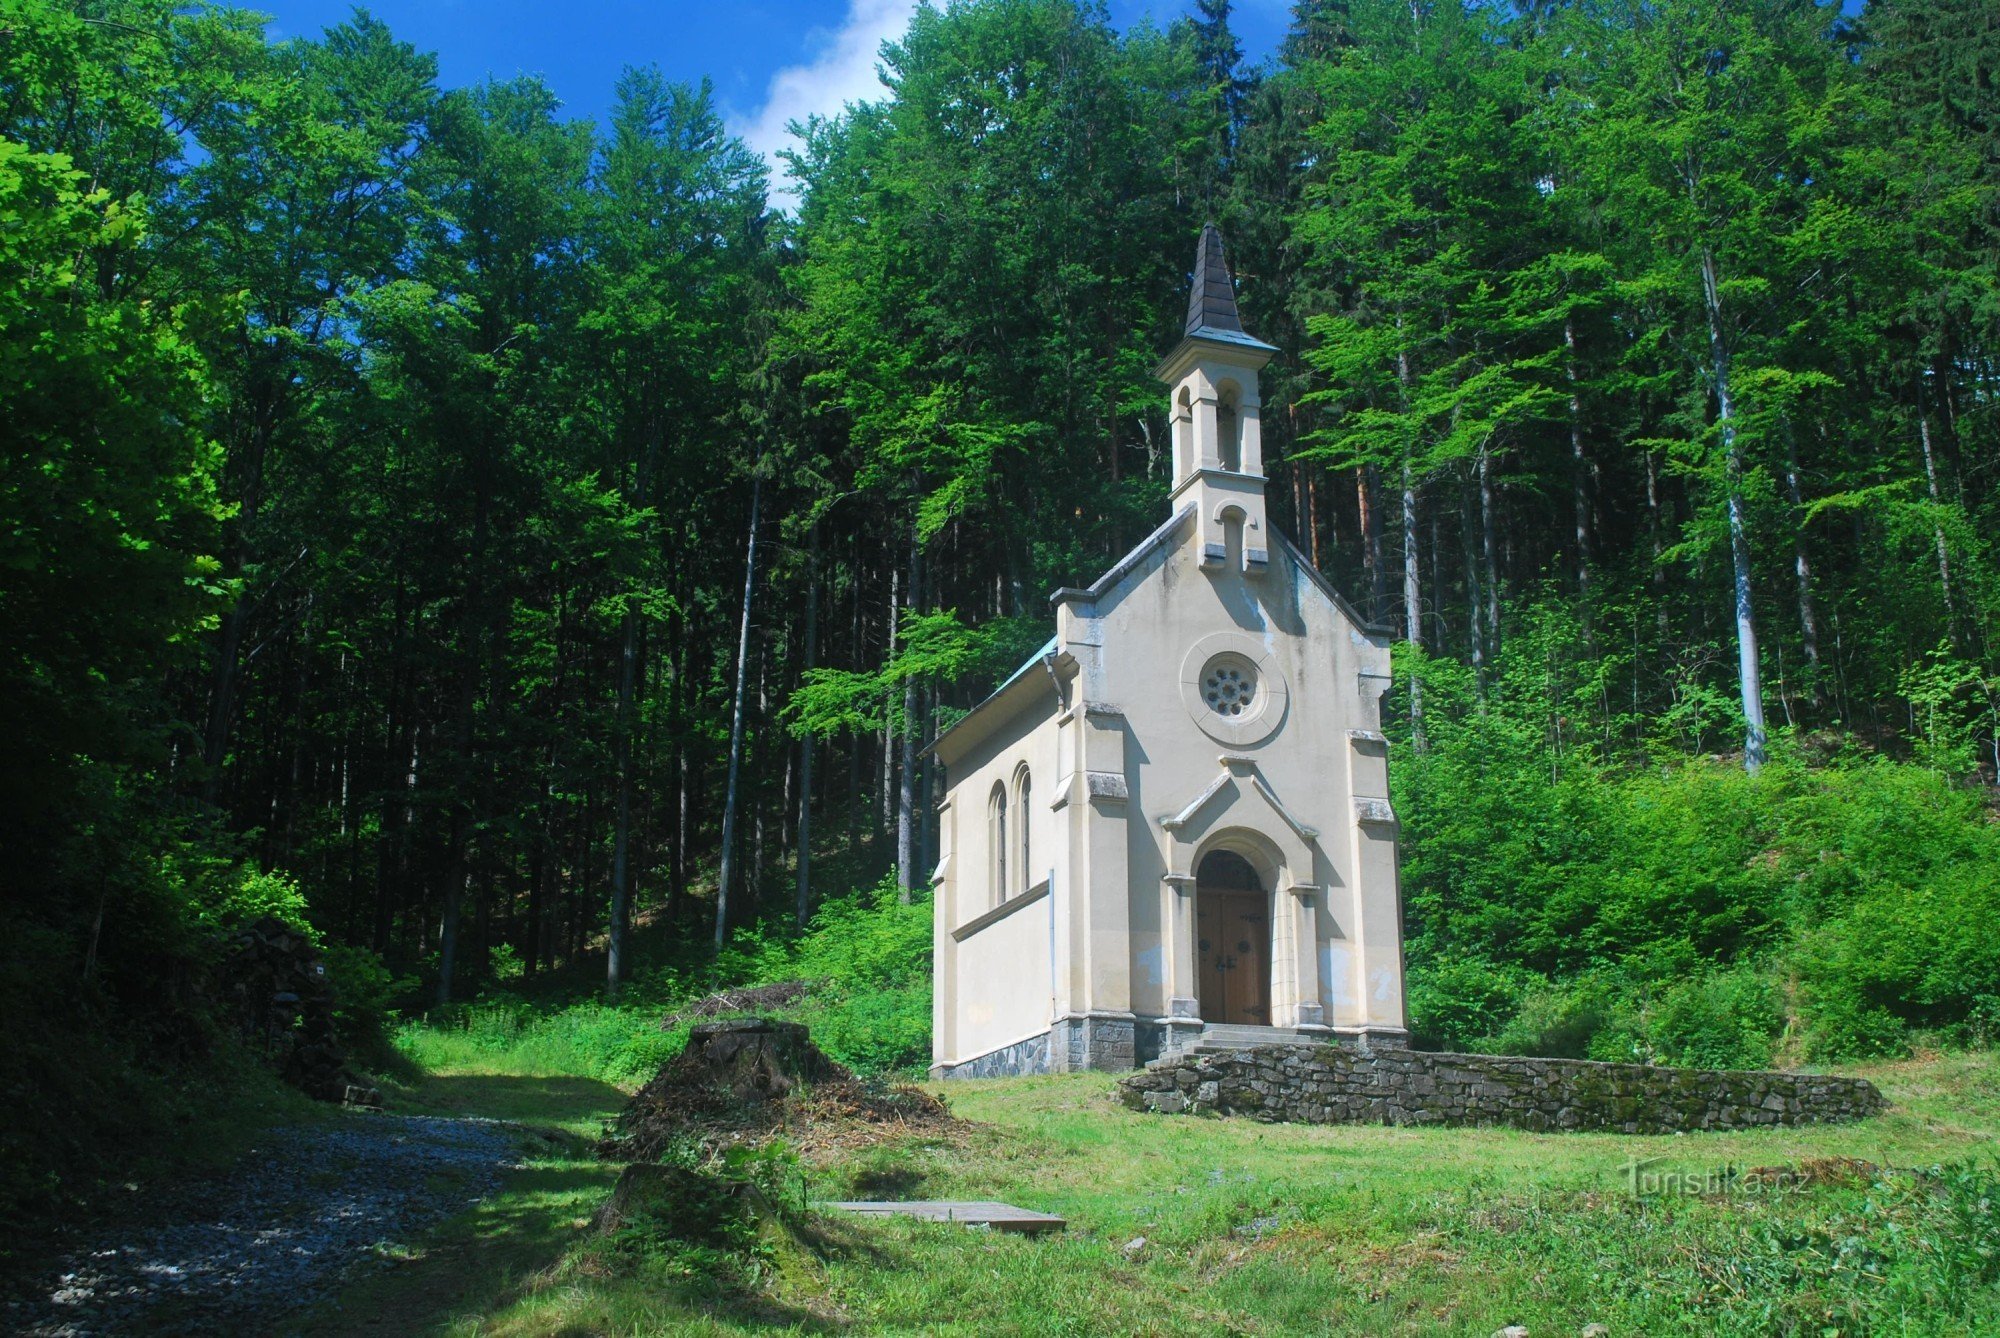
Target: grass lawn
(1253, 1228)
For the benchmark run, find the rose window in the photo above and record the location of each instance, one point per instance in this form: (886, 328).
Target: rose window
(1229, 686)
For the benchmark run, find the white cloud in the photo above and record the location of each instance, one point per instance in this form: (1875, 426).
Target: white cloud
(841, 71)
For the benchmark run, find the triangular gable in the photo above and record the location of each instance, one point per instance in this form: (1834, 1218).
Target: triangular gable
(1104, 586)
(1325, 587)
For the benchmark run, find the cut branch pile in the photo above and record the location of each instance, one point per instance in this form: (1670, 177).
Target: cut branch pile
(749, 999)
(749, 1078)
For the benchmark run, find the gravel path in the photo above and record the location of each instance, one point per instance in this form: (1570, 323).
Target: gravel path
(239, 1252)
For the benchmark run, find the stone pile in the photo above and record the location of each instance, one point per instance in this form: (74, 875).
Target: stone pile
(1334, 1084)
(275, 986)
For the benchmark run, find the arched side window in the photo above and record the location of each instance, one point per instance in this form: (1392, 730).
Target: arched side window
(996, 842)
(1228, 431)
(1025, 879)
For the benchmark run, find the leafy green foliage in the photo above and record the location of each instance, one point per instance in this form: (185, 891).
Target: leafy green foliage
(867, 956)
(378, 457)
(1561, 902)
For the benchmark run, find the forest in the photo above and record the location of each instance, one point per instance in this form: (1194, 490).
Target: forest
(511, 548)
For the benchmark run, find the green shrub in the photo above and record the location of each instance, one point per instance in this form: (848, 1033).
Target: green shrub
(1719, 1020)
(867, 940)
(1869, 884)
(868, 955)
(874, 1031)
(1456, 1001)
(873, 1010)
(363, 989)
(614, 1043)
(1556, 1021)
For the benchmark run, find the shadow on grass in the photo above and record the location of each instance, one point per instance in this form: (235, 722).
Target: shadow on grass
(478, 1263)
(485, 1259)
(576, 1104)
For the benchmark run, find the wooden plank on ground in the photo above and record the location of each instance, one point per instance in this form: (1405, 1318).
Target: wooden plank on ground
(999, 1216)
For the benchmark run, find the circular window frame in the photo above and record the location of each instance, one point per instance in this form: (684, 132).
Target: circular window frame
(1267, 708)
(1242, 692)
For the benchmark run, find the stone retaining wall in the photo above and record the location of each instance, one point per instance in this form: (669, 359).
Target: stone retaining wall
(1333, 1084)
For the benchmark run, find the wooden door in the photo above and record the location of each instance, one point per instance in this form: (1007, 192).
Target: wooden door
(1233, 956)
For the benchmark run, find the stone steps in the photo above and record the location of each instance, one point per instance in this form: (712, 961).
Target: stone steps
(1222, 1037)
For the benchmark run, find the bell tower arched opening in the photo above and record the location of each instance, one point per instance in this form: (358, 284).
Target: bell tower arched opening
(1229, 430)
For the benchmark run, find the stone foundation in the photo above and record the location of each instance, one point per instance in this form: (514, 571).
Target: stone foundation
(1336, 1084)
(1009, 1061)
(1105, 1042)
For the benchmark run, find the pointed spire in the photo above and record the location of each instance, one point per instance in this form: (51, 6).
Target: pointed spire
(1212, 303)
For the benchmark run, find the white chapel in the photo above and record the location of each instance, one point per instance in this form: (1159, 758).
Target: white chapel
(1171, 826)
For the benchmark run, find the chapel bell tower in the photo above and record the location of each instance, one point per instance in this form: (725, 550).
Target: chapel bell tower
(1218, 442)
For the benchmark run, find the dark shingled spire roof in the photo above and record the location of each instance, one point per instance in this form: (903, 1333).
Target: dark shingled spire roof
(1212, 302)
(1212, 318)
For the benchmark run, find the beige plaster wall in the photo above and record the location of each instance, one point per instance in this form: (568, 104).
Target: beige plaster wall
(1004, 982)
(993, 989)
(1133, 647)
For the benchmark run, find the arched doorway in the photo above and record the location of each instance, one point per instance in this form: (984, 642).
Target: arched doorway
(1232, 927)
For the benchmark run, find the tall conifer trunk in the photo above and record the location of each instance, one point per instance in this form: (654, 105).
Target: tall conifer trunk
(1937, 500)
(1413, 603)
(1489, 550)
(229, 642)
(1413, 590)
(906, 785)
(1802, 569)
(802, 909)
(1579, 471)
(731, 801)
(1749, 675)
(1369, 486)
(1474, 619)
(621, 835)
(888, 808)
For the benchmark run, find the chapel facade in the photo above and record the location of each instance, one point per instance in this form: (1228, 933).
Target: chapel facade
(1171, 826)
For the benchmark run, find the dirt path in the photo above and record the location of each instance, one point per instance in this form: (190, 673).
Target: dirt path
(239, 1252)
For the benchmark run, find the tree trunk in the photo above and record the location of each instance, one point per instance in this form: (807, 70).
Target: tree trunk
(927, 850)
(538, 862)
(759, 786)
(1579, 472)
(1937, 501)
(1413, 603)
(1489, 551)
(731, 796)
(1312, 519)
(1749, 675)
(1802, 569)
(1368, 484)
(1474, 623)
(1658, 537)
(1413, 589)
(229, 644)
(621, 837)
(677, 700)
(802, 910)
(888, 809)
(906, 784)
(855, 640)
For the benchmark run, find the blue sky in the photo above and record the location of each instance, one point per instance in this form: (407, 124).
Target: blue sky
(771, 60)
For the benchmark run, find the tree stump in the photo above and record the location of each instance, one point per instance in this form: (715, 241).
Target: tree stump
(758, 1058)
